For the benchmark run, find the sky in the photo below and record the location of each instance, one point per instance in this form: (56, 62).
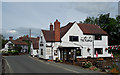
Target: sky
(119, 8)
(19, 17)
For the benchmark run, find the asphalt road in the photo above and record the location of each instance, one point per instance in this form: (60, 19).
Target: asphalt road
(27, 64)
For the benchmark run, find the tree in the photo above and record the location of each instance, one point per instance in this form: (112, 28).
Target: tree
(89, 20)
(4, 42)
(29, 44)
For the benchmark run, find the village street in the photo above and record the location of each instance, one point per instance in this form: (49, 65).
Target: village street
(27, 64)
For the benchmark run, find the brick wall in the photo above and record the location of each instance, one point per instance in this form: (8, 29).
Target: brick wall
(57, 30)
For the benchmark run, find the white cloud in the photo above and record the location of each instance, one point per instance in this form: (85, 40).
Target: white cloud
(12, 31)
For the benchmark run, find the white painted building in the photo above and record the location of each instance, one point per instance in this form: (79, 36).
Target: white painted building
(73, 41)
(34, 46)
(11, 43)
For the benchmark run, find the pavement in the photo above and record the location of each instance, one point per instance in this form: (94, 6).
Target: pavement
(28, 64)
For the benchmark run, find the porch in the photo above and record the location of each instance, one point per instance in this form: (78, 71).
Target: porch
(69, 54)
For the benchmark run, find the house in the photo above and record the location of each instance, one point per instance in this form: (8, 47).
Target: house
(18, 43)
(73, 41)
(34, 46)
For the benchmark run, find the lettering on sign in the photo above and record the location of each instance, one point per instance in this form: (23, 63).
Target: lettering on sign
(86, 39)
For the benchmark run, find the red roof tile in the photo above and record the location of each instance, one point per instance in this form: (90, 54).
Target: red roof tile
(91, 29)
(21, 41)
(17, 42)
(49, 35)
(35, 42)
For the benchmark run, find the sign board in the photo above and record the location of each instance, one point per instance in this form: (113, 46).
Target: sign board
(86, 39)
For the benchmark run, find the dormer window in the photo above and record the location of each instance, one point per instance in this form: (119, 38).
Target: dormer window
(73, 38)
(98, 37)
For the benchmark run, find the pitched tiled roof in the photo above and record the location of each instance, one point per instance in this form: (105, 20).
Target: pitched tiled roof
(49, 35)
(17, 42)
(63, 30)
(86, 28)
(36, 45)
(21, 41)
(35, 42)
(22, 38)
(91, 29)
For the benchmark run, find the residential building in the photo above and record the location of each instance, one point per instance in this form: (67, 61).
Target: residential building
(34, 46)
(18, 43)
(73, 41)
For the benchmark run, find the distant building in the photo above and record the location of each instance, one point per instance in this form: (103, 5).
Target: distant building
(18, 43)
(34, 46)
(22, 42)
(73, 41)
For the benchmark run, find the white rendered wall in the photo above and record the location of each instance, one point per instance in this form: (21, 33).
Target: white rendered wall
(76, 31)
(42, 47)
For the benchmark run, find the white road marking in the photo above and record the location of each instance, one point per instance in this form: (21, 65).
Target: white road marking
(10, 69)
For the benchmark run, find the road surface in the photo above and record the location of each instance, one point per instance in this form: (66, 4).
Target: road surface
(27, 64)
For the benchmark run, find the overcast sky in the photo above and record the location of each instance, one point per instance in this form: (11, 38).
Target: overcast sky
(19, 17)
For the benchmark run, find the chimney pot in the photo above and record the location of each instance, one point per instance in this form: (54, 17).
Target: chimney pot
(51, 27)
(38, 37)
(27, 36)
(10, 38)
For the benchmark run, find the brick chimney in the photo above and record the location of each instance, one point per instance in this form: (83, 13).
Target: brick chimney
(10, 38)
(38, 37)
(51, 27)
(57, 30)
(27, 36)
(20, 37)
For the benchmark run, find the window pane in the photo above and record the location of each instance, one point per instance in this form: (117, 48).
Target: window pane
(73, 38)
(41, 51)
(98, 37)
(99, 50)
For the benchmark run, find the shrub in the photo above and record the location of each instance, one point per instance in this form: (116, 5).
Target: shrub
(56, 59)
(114, 69)
(87, 64)
(93, 68)
(61, 61)
(15, 52)
(115, 66)
(9, 52)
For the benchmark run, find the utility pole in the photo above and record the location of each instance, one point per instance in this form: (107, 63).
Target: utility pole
(30, 32)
